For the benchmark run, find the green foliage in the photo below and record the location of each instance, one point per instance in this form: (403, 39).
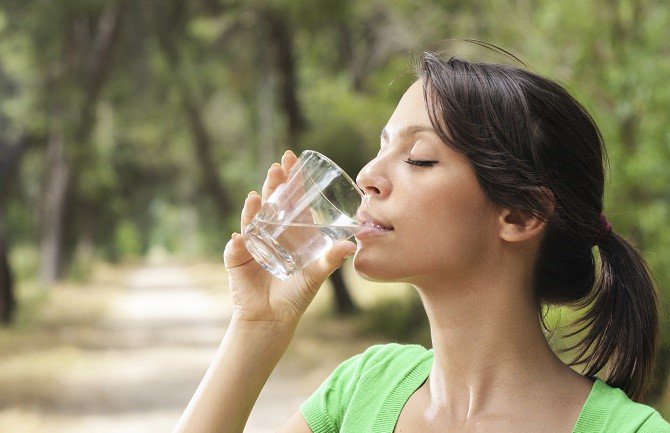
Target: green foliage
(140, 184)
(344, 125)
(399, 318)
(128, 240)
(24, 260)
(81, 269)
(352, 61)
(30, 304)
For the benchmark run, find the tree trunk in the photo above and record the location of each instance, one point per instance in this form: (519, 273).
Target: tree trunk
(205, 155)
(7, 299)
(61, 176)
(169, 31)
(344, 305)
(56, 190)
(10, 159)
(265, 100)
(283, 54)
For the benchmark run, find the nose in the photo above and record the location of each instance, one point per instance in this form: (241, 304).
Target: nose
(371, 181)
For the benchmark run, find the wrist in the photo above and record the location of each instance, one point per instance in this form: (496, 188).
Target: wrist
(271, 326)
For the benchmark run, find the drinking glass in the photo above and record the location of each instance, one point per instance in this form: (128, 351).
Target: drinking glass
(304, 216)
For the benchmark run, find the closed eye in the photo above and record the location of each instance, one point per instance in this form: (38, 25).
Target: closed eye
(421, 163)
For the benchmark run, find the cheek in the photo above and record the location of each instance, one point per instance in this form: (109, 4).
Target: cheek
(425, 249)
(442, 230)
(448, 232)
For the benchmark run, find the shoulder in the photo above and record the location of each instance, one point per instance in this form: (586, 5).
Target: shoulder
(378, 364)
(383, 355)
(360, 382)
(617, 411)
(654, 424)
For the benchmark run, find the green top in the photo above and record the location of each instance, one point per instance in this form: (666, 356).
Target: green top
(367, 391)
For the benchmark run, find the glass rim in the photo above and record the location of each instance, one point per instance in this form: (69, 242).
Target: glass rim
(339, 169)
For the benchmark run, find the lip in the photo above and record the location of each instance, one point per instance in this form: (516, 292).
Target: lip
(371, 232)
(364, 218)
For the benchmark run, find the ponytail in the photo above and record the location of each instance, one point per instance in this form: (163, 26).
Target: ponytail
(622, 322)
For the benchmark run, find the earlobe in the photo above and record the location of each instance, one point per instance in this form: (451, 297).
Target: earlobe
(519, 226)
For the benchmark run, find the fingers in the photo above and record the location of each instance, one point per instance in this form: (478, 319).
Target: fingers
(235, 252)
(252, 204)
(273, 179)
(316, 272)
(277, 174)
(288, 160)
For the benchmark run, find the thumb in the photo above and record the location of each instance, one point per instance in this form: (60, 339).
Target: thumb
(235, 253)
(320, 269)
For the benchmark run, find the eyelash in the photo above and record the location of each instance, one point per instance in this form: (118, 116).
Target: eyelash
(421, 163)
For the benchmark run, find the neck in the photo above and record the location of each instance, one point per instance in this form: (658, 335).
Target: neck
(488, 344)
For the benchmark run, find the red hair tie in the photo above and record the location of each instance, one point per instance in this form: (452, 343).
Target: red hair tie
(604, 229)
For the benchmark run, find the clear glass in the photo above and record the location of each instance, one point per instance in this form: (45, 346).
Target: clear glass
(305, 216)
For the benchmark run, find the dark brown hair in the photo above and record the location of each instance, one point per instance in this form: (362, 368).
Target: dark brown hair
(524, 134)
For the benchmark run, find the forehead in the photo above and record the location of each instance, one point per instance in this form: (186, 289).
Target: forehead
(411, 110)
(410, 118)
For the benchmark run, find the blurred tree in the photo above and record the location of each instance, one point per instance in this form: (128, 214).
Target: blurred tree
(72, 87)
(278, 36)
(171, 34)
(10, 157)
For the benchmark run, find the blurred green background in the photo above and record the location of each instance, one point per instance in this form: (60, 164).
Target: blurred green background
(131, 131)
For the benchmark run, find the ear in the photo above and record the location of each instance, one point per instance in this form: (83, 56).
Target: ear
(520, 226)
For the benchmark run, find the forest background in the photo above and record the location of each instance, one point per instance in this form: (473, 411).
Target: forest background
(130, 131)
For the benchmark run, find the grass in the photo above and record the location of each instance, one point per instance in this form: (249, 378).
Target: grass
(41, 345)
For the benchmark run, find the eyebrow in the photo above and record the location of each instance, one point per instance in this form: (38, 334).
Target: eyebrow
(407, 131)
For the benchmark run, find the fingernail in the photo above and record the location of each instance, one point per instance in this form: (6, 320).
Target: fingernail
(346, 256)
(252, 193)
(276, 164)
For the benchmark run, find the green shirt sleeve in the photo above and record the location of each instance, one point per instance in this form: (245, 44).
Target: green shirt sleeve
(324, 409)
(355, 392)
(654, 424)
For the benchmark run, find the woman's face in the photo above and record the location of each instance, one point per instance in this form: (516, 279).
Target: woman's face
(442, 222)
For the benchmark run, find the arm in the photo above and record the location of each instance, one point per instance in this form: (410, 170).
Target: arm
(266, 312)
(245, 359)
(295, 424)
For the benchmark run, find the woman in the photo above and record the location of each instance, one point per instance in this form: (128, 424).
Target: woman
(490, 181)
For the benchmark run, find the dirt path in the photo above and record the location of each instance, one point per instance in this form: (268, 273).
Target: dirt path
(160, 332)
(137, 368)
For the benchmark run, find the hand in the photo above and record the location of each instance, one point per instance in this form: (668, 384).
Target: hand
(257, 295)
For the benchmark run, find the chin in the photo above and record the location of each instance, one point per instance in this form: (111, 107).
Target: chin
(375, 271)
